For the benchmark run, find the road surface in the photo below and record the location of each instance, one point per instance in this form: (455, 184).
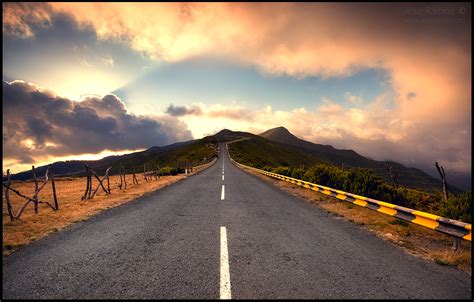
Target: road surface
(222, 233)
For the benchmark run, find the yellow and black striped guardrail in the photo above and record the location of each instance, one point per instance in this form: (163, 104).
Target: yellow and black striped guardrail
(444, 225)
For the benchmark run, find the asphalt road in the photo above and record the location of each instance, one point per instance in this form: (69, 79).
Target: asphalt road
(170, 244)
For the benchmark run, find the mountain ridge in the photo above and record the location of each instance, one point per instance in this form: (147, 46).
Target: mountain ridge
(408, 176)
(277, 142)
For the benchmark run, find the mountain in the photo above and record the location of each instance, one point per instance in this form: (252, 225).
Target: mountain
(326, 152)
(229, 135)
(281, 135)
(174, 155)
(409, 177)
(273, 147)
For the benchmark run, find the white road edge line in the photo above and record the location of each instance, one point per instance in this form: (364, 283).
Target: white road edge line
(225, 274)
(223, 192)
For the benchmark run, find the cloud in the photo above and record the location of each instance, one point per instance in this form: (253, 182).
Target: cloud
(19, 19)
(39, 124)
(372, 130)
(300, 39)
(109, 61)
(183, 110)
(353, 99)
(427, 58)
(233, 112)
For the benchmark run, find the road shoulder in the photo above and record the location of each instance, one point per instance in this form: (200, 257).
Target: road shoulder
(410, 238)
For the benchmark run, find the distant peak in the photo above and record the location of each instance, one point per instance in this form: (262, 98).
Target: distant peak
(276, 131)
(281, 128)
(226, 135)
(224, 131)
(281, 135)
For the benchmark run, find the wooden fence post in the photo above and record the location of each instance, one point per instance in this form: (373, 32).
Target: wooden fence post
(90, 183)
(101, 181)
(393, 174)
(135, 179)
(35, 197)
(124, 179)
(87, 183)
(120, 173)
(29, 199)
(7, 197)
(108, 184)
(56, 205)
(443, 178)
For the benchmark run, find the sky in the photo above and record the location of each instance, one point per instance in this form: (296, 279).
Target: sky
(88, 80)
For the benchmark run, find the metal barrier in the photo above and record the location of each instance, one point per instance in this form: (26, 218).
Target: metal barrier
(444, 225)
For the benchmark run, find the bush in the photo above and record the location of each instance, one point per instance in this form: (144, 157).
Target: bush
(169, 171)
(282, 170)
(457, 207)
(297, 173)
(365, 182)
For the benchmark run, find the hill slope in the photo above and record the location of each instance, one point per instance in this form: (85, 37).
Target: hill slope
(195, 151)
(273, 147)
(410, 177)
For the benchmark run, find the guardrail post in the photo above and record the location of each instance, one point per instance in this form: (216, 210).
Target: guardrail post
(456, 243)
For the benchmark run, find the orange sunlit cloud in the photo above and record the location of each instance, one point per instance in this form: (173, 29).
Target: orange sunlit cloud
(340, 41)
(429, 64)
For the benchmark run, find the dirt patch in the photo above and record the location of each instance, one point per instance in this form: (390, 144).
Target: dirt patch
(71, 208)
(411, 238)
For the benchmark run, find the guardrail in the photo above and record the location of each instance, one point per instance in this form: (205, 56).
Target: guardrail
(199, 168)
(455, 228)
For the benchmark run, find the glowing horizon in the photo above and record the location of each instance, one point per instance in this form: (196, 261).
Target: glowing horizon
(388, 80)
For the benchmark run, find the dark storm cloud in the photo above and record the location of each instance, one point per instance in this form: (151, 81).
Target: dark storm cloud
(183, 110)
(38, 123)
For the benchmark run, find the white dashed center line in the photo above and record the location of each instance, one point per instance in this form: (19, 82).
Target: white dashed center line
(223, 192)
(225, 274)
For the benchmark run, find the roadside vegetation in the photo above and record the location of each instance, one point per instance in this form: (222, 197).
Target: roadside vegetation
(360, 181)
(170, 159)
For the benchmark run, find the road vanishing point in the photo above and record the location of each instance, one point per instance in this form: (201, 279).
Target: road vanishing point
(222, 234)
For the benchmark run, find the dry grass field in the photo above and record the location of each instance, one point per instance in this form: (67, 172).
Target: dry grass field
(33, 226)
(411, 238)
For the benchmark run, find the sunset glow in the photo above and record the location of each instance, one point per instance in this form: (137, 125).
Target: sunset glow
(88, 80)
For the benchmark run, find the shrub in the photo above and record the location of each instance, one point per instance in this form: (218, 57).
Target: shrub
(365, 182)
(457, 207)
(169, 171)
(297, 173)
(282, 170)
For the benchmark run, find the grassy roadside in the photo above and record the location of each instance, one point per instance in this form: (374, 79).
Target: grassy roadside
(33, 226)
(411, 238)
